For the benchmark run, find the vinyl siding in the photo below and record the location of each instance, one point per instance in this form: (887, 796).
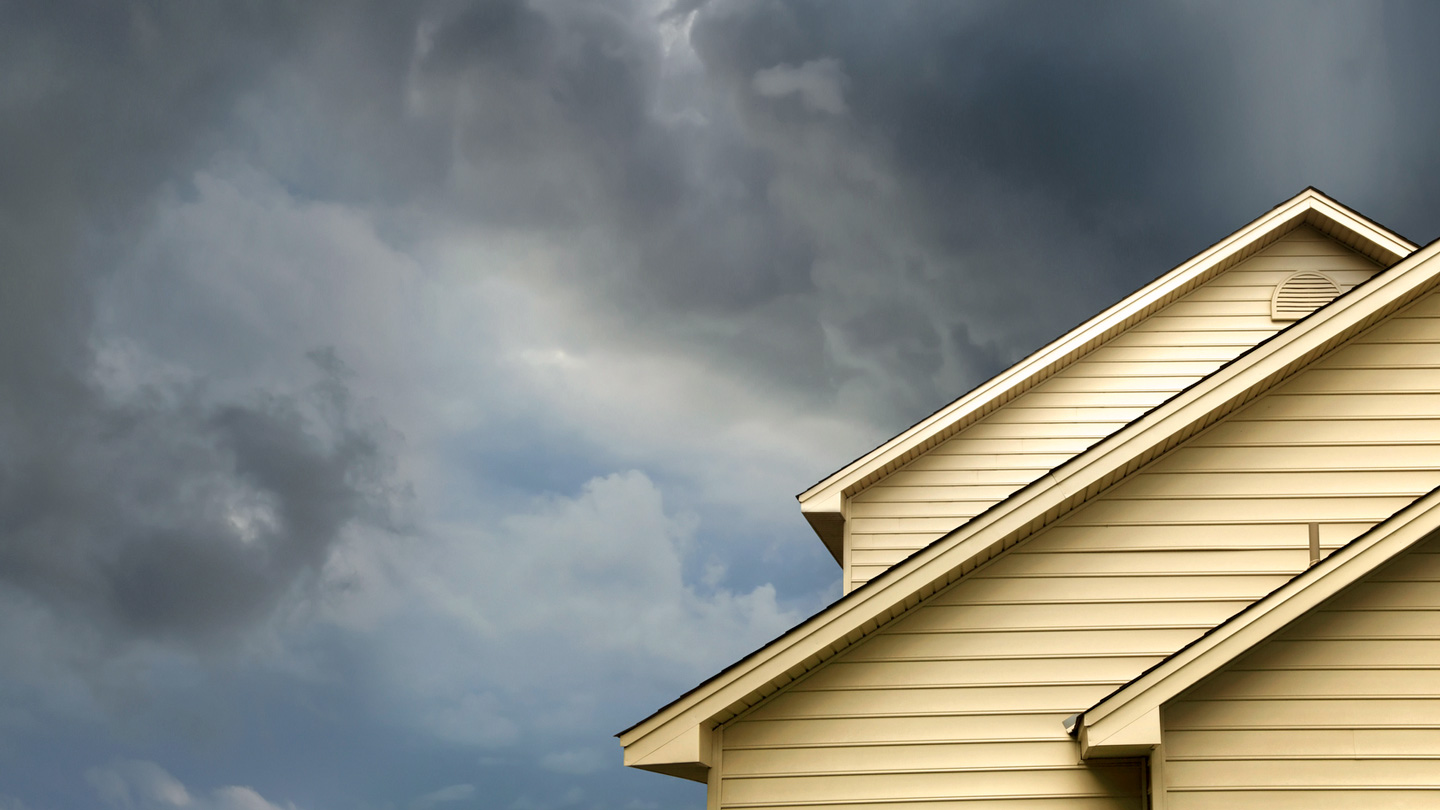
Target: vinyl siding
(1083, 403)
(1341, 710)
(962, 698)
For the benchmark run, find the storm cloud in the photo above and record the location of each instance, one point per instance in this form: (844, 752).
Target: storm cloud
(398, 399)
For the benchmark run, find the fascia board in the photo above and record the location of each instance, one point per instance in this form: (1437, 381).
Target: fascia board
(867, 608)
(1260, 621)
(1396, 245)
(687, 755)
(1134, 739)
(826, 495)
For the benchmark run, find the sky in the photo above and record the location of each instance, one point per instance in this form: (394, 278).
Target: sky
(398, 399)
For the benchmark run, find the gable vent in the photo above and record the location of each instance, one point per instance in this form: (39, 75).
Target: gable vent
(1302, 294)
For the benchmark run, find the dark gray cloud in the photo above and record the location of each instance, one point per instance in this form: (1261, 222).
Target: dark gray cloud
(1048, 159)
(624, 274)
(154, 513)
(163, 516)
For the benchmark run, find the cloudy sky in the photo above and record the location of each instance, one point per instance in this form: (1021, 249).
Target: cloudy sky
(399, 399)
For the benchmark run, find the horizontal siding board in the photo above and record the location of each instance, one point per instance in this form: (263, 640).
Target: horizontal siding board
(903, 757)
(1309, 773)
(1390, 380)
(1066, 447)
(934, 494)
(1060, 385)
(1378, 432)
(1199, 325)
(865, 573)
(1062, 615)
(1043, 727)
(1198, 536)
(1044, 430)
(1330, 654)
(1255, 296)
(1139, 562)
(883, 557)
(1241, 683)
(972, 672)
(1383, 595)
(1205, 307)
(962, 503)
(1239, 341)
(1074, 780)
(1322, 742)
(1381, 355)
(1416, 455)
(1297, 799)
(1321, 246)
(1379, 623)
(1427, 307)
(1140, 400)
(1219, 511)
(1399, 329)
(1195, 353)
(1062, 415)
(1028, 802)
(929, 526)
(1178, 585)
(895, 646)
(1271, 272)
(910, 478)
(1159, 367)
(987, 467)
(1303, 713)
(932, 700)
(1280, 484)
(1343, 406)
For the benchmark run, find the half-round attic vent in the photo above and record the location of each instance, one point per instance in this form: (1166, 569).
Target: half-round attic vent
(1302, 294)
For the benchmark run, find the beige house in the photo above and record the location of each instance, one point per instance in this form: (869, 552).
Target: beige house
(1185, 556)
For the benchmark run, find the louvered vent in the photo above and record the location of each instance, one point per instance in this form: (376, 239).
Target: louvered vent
(1302, 294)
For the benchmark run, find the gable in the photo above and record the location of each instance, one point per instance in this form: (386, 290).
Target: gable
(1346, 697)
(982, 674)
(826, 505)
(1085, 401)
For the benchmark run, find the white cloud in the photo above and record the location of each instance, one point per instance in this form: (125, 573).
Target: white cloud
(473, 718)
(141, 785)
(604, 569)
(577, 761)
(820, 84)
(453, 793)
(519, 636)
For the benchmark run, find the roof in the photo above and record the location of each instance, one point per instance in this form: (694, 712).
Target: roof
(821, 503)
(682, 724)
(1128, 718)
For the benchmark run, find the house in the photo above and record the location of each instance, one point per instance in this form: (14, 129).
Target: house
(1186, 556)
